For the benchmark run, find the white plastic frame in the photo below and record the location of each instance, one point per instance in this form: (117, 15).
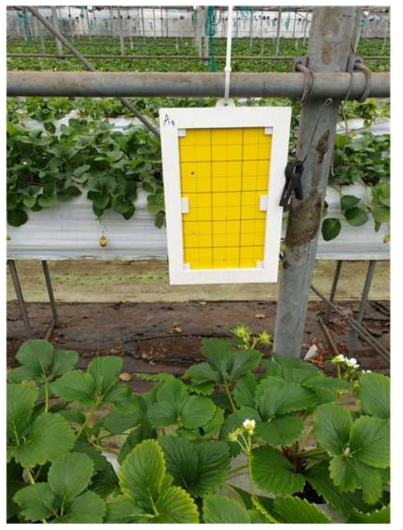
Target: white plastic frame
(277, 120)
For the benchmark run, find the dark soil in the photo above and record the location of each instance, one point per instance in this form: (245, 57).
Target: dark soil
(159, 337)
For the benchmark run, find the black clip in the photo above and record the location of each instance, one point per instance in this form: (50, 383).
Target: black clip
(293, 174)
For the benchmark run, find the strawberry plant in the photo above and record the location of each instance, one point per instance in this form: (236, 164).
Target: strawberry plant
(279, 423)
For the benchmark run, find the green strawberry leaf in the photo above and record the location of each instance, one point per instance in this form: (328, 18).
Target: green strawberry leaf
(88, 508)
(219, 509)
(273, 472)
(143, 472)
(332, 425)
(37, 502)
(370, 441)
(281, 431)
(292, 509)
(374, 395)
(198, 468)
(49, 437)
(70, 475)
(276, 396)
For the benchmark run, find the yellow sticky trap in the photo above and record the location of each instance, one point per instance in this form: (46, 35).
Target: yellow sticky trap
(224, 174)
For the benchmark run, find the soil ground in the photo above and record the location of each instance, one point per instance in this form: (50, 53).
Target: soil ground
(162, 332)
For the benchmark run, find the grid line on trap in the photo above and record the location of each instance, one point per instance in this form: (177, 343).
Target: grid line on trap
(224, 173)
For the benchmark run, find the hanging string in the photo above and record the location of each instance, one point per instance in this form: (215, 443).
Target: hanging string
(227, 69)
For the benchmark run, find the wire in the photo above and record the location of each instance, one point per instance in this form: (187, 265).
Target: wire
(227, 69)
(327, 102)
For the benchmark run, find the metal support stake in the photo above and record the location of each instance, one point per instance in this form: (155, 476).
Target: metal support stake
(40, 36)
(49, 288)
(143, 28)
(130, 27)
(293, 27)
(20, 297)
(206, 37)
(121, 35)
(70, 25)
(333, 289)
(89, 66)
(277, 48)
(87, 17)
(317, 130)
(363, 302)
(112, 29)
(154, 25)
(251, 29)
(55, 21)
(261, 32)
(306, 23)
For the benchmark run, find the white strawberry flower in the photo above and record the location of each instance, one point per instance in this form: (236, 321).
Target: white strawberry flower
(352, 363)
(366, 372)
(249, 425)
(339, 359)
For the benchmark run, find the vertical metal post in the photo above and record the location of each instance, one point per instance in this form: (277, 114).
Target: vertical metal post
(39, 33)
(143, 29)
(277, 48)
(112, 29)
(87, 17)
(363, 303)
(251, 29)
(333, 289)
(385, 38)
(130, 23)
(55, 21)
(236, 23)
(305, 27)
(20, 297)
(162, 22)
(293, 27)
(206, 37)
(199, 30)
(316, 135)
(121, 36)
(49, 288)
(70, 25)
(261, 32)
(154, 24)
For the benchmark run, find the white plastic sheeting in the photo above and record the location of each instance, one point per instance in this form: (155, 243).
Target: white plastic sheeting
(71, 231)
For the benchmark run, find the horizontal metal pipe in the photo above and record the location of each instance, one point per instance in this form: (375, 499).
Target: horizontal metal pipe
(171, 57)
(336, 85)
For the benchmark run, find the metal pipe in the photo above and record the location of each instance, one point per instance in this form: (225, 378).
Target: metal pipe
(55, 22)
(317, 130)
(363, 302)
(121, 35)
(277, 48)
(20, 297)
(201, 84)
(333, 288)
(49, 288)
(89, 67)
(366, 336)
(173, 57)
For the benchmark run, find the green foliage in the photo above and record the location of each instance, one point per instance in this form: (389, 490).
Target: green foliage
(360, 159)
(87, 157)
(147, 490)
(176, 442)
(358, 449)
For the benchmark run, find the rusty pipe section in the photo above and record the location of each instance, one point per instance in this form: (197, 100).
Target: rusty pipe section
(336, 85)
